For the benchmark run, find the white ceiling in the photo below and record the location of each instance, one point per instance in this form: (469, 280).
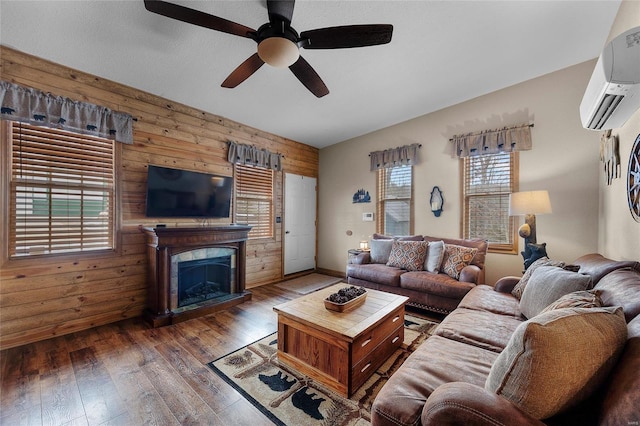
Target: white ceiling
(441, 53)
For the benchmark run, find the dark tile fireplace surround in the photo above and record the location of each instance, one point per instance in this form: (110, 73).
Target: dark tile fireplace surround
(194, 271)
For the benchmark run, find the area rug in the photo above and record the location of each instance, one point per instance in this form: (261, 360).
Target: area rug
(288, 397)
(308, 283)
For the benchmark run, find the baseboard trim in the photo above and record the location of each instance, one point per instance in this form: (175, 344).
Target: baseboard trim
(331, 273)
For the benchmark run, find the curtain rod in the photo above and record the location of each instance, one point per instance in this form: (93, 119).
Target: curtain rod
(491, 131)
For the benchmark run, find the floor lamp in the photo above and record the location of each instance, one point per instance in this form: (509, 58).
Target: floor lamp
(530, 203)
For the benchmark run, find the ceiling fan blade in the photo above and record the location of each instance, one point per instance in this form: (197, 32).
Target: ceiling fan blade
(280, 10)
(309, 77)
(347, 36)
(244, 71)
(196, 17)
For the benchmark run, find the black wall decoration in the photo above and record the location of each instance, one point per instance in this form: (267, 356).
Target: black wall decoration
(633, 180)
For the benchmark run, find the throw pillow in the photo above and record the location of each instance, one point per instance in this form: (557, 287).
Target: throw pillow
(572, 268)
(380, 250)
(577, 299)
(558, 359)
(435, 254)
(547, 284)
(543, 261)
(456, 258)
(409, 255)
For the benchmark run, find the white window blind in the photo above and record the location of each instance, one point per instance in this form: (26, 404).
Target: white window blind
(254, 200)
(62, 191)
(488, 181)
(394, 200)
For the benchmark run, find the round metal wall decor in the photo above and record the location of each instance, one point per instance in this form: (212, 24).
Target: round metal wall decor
(633, 180)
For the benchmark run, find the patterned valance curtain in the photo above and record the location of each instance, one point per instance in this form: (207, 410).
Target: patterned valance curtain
(253, 156)
(516, 138)
(401, 156)
(32, 106)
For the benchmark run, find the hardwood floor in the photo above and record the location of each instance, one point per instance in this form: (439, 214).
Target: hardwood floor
(128, 374)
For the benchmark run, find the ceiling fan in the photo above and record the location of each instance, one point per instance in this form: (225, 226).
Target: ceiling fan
(278, 43)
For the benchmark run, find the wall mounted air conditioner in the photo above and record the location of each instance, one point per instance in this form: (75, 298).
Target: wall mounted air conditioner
(613, 93)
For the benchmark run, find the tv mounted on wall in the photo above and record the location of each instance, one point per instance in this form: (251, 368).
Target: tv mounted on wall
(183, 193)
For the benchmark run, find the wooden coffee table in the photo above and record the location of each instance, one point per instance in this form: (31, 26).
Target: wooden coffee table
(340, 349)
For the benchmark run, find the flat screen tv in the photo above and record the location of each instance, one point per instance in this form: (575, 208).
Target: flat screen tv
(183, 193)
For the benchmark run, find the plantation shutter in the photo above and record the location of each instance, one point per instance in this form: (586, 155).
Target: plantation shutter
(394, 202)
(254, 200)
(62, 191)
(488, 181)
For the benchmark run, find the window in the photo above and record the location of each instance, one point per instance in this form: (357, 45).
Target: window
(394, 200)
(487, 182)
(254, 200)
(61, 191)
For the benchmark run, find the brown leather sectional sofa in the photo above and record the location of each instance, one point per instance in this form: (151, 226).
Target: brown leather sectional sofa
(437, 292)
(449, 379)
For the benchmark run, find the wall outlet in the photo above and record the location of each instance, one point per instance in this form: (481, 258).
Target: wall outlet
(367, 217)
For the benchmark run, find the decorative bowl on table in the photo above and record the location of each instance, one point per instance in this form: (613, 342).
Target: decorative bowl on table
(345, 299)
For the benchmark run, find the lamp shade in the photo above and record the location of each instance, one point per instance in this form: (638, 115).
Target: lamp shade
(529, 202)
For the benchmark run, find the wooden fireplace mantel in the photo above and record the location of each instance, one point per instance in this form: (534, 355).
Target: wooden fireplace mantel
(165, 242)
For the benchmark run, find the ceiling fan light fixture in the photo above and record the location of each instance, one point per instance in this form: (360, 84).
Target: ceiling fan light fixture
(279, 52)
(278, 42)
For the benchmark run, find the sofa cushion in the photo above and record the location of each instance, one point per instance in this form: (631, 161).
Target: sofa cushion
(398, 237)
(485, 298)
(380, 250)
(481, 245)
(622, 288)
(520, 286)
(435, 254)
(547, 284)
(598, 266)
(438, 284)
(464, 404)
(577, 299)
(478, 328)
(621, 390)
(435, 362)
(558, 358)
(409, 255)
(456, 258)
(376, 273)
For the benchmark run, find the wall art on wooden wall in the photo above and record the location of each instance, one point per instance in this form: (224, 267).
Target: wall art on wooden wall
(633, 180)
(361, 196)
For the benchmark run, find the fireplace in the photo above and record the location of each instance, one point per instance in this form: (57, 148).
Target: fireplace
(199, 280)
(194, 271)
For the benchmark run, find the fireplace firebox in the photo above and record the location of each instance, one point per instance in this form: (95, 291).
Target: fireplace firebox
(194, 271)
(203, 279)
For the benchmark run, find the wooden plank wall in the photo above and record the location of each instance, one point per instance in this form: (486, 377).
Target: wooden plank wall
(45, 297)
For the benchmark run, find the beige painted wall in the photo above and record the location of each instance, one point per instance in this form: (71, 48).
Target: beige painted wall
(564, 160)
(619, 234)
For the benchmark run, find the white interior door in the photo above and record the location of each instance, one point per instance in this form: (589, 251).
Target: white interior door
(299, 223)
